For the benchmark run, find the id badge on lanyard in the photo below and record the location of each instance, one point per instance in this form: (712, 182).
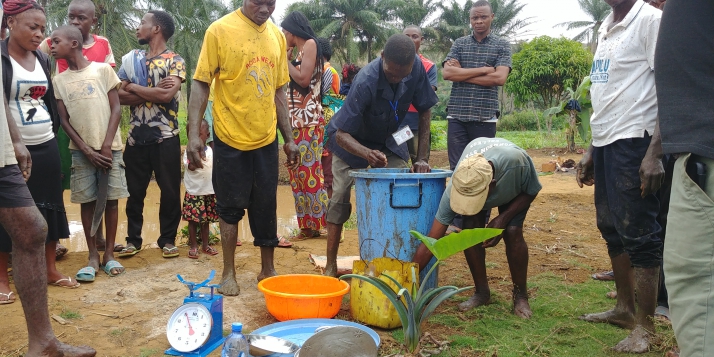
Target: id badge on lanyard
(404, 134)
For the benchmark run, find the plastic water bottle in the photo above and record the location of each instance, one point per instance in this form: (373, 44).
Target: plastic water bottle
(236, 344)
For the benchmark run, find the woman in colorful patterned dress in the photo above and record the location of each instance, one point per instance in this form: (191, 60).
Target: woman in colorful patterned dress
(307, 180)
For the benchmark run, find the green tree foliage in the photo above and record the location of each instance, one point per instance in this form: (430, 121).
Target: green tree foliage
(598, 11)
(192, 18)
(453, 22)
(545, 67)
(355, 26)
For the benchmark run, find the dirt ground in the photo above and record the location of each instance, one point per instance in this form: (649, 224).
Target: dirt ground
(127, 315)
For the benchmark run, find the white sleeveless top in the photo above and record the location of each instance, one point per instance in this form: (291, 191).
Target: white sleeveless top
(26, 104)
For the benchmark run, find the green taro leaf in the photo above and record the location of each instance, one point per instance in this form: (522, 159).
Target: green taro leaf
(456, 242)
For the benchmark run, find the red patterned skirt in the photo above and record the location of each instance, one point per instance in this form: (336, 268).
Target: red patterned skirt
(307, 181)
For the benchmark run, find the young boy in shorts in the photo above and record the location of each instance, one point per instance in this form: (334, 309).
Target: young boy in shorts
(82, 15)
(88, 103)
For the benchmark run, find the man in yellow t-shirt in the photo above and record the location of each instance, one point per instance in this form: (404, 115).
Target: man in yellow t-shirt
(246, 55)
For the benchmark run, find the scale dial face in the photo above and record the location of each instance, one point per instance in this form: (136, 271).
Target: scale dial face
(189, 327)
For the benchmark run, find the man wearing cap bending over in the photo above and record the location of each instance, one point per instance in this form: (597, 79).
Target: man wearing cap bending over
(490, 173)
(369, 130)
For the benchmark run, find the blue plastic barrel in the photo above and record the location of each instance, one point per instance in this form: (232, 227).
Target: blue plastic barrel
(390, 203)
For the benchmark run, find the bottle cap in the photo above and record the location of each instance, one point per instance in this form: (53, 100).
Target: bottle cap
(237, 327)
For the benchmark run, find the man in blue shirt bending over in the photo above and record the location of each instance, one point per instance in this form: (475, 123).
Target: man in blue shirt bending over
(369, 130)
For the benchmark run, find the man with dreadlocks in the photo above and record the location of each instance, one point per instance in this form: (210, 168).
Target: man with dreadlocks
(305, 106)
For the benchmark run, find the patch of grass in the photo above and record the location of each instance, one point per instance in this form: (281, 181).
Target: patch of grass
(147, 352)
(526, 139)
(553, 331)
(68, 314)
(351, 223)
(553, 217)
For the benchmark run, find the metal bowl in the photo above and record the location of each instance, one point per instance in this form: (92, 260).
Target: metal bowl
(264, 346)
(344, 341)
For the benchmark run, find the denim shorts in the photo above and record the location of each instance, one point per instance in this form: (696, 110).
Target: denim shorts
(85, 179)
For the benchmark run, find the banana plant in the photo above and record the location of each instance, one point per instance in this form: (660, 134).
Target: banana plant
(416, 305)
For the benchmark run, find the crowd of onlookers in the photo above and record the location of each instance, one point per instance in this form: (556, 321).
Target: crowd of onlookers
(650, 159)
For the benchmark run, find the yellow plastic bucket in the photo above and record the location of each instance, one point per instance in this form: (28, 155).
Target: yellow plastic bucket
(367, 303)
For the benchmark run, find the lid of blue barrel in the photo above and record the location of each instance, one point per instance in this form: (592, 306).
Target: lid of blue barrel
(399, 174)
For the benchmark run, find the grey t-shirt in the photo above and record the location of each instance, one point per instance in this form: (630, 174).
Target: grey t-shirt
(514, 172)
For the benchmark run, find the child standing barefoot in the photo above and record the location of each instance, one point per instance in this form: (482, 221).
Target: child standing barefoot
(199, 203)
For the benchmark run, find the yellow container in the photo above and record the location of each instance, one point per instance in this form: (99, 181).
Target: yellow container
(367, 303)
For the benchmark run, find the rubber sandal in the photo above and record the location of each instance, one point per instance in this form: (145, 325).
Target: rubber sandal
(284, 243)
(86, 274)
(210, 250)
(60, 251)
(238, 243)
(118, 247)
(69, 285)
(319, 233)
(662, 312)
(169, 252)
(129, 251)
(604, 276)
(113, 264)
(299, 237)
(193, 253)
(9, 299)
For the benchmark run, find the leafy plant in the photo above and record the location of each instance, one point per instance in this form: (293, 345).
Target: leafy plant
(579, 109)
(213, 235)
(415, 305)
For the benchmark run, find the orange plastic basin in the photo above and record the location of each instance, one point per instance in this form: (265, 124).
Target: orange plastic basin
(303, 296)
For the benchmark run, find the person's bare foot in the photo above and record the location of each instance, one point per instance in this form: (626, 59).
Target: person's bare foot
(475, 301)
(267, 273)
(521, 307)
(672, 353)
(330, 270)
(229, 286)
(59, 349)
(637, 342)
(618, 318)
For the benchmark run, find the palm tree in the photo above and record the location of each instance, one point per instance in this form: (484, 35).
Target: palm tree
(506, 23)
(416, 12)
(598, 11)
(350, 23)
(454, 21)
(192, 18)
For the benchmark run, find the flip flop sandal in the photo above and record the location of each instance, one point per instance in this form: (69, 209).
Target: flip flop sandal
(169, 252)
(238, 243)
(210, 250)
(284, 243)
(69, 283)
(86, 274)
(299, 237)
(118, 248)
(193, 253)
(319, 233)
(604, 276)
(60, 251)
(129, 251)
(113, 264)
(9, 299)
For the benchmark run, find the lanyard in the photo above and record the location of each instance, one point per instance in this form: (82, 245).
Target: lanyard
(394, 107)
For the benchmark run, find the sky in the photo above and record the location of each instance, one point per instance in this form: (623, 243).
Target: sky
(545, 14)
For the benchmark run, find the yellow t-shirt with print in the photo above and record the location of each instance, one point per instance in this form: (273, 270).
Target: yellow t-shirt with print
(248, 63)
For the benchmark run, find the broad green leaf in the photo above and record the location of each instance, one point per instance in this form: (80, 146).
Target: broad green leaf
(456, 242)
(438, 300)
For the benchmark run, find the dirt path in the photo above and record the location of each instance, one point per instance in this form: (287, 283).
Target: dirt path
(560, 230)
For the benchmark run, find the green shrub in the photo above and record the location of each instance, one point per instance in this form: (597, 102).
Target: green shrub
(527, 120)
